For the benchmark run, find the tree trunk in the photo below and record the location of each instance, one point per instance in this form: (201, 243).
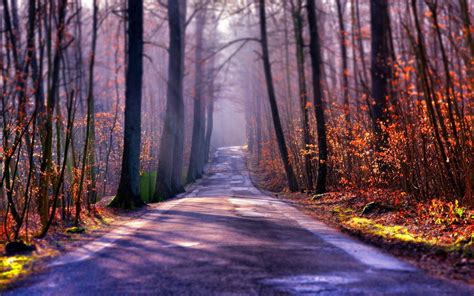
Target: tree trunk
(197, 145)
(292, 183)
(128, 193)
(379, 68)
(171, 148)
(315, 53)
(345, 82)
(258, 125)
(345, 67)
(179, 141)
(47, 124)
(209, 109)
(303, 93)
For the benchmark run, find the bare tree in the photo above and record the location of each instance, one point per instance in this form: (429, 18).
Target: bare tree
(315, 53)
(303, 92)
(196, 160)
(290, 175)
(380, 67)
(128, 193)
(170, 158)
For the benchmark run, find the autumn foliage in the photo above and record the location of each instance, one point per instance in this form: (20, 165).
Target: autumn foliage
(427, 146)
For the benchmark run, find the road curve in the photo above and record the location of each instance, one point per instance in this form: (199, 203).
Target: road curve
(227, 238)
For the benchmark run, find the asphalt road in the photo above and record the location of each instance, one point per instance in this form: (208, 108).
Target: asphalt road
(228, 238)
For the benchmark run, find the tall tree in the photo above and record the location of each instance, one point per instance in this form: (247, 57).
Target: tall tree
(89, 140)
(315, 53)
(209, 113)
(170, 159)
(198, 137)
(210, 89)
(303, 93)
(177, 181)
(290, 175)
(345, 67)
(128, 193)
(47, 120)
(345, 78)
(211, 73)
(380, 68)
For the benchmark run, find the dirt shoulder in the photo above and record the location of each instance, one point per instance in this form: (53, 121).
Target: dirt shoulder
(63, 238)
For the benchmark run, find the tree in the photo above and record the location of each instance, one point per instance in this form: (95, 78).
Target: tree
(345, 68)
(290, 175)
(90, 114)
(345, 78)
(210, 91)
(211, 74)
(47, 120)
(170, 159)
(128, 193)
(196, 159)
(303, 93)
(315, 53)
(380, 67)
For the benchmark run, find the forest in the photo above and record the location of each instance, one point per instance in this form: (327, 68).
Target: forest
(360, 111)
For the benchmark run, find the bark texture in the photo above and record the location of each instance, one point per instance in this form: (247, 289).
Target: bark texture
(128, 194)
(315, 52)
(170, 159)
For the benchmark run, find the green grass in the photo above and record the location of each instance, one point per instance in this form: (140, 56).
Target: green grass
(11, 267)
(75, 229)
(401, 234)
(147, 186)
(391, 232)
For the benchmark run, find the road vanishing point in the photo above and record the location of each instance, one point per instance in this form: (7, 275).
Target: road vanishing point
(226, 237)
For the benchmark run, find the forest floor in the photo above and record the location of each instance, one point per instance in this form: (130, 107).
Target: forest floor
(62, 238)
(437, 237)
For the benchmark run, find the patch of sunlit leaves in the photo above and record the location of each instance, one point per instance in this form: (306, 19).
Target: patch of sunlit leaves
(11, 267)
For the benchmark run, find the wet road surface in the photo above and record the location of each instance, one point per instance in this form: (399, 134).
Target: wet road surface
(227, 238)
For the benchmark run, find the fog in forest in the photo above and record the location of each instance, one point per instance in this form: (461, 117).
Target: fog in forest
(229, 120)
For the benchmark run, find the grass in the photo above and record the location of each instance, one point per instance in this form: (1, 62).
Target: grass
(401, 234)
(75, 229)
(394, 232)
(12, 267)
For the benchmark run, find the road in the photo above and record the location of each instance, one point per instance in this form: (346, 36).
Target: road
(227, 238)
